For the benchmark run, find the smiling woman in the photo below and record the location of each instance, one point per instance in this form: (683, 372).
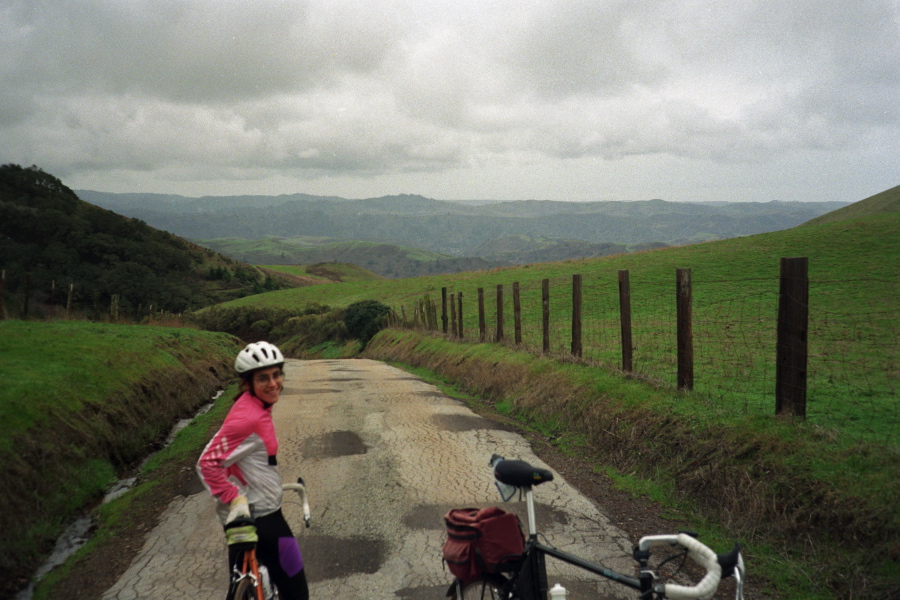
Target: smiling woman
(239, 467)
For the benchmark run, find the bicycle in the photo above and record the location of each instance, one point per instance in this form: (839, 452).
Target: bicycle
(250, 579)
(526, 576)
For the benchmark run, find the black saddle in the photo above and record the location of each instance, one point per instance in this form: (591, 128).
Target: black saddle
(519, 473)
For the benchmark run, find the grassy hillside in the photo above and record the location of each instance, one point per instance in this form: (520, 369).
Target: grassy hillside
(50, 239)
(387, 260)
(324, 272)
(887, 201)
(80, 403)
(809, 490)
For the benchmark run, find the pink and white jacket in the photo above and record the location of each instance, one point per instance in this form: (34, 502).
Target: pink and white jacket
(241, 459)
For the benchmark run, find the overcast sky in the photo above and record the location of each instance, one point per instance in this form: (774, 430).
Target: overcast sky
(684, 100)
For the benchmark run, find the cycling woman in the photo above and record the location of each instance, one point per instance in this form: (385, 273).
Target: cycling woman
(239, 468)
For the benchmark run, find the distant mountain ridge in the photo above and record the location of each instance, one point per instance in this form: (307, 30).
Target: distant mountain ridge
(455, 228)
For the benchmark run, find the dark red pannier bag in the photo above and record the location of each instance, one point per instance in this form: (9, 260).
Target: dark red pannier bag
(485, 541)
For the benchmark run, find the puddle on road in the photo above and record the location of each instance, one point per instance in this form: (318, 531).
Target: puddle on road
(333, 444)
(334, 557)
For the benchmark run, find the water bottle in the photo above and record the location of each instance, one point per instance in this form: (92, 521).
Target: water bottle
(266, 582)
(558, 593)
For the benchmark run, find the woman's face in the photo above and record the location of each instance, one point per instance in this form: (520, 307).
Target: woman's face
(267, 384)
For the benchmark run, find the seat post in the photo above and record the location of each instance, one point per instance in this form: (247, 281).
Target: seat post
(529, 502)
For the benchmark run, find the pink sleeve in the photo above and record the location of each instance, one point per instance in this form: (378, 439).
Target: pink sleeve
(214, 463)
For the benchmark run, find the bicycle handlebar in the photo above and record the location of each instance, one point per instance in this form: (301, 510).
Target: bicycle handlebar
(300, 488)
(706, 558)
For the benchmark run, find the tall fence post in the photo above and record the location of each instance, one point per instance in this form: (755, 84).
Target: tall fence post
(684, 300)
(444, 310)
(576, 316)
(545, 313)
(625, 320)
(53, 299)
(793, 327)
(517, 313)
(498, 337)
(482, 326)
(69, 301)
(453, 315)
(459, 322)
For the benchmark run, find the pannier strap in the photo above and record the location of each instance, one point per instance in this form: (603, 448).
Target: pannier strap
(519, 473)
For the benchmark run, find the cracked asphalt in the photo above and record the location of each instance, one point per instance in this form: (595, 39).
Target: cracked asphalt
(384, 456)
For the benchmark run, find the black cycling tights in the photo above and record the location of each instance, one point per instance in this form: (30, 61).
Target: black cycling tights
(278, 550)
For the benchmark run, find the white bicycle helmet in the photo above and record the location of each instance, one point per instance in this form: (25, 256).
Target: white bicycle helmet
(258, 355)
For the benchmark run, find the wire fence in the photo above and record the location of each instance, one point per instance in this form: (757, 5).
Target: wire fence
(851, 361)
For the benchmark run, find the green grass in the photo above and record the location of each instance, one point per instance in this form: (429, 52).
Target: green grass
(80, 403)
(853, 335)
(326, 272)
(118, 516)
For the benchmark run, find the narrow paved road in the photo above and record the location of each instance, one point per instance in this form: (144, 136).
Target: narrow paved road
(384, 455)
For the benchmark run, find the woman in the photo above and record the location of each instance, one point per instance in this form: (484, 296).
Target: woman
(239, 468)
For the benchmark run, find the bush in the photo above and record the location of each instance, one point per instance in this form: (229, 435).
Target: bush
(364, 319)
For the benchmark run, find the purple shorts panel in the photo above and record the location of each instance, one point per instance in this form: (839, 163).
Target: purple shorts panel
(289, 556)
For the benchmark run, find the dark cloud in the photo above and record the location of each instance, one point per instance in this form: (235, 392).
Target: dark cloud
(275, 96)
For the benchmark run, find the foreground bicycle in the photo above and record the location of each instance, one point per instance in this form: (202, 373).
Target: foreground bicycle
(521, 574)
(250, 579)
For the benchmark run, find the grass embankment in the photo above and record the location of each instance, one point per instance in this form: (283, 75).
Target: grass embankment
(813, 533)
(80, 403)
(122, 523)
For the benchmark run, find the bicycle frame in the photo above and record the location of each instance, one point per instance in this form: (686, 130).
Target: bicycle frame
(533, 546)
(248, 574)
(531, 577)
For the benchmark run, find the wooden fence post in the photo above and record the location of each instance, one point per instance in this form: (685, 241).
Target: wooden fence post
(2, 295)
(498, 337)
(69, 301)
(453, 315)
(444, 310)
(53, 299)
(793, 327)
(459, 302)
(517, 313)
(482, 326)
(625, 320)
(545, 313)
(685, 343)
(576, 316)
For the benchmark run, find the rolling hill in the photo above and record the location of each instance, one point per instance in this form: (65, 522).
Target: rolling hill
(456, 228)
(51, 240)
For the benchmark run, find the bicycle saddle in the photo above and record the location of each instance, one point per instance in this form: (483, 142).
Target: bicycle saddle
(519, 473)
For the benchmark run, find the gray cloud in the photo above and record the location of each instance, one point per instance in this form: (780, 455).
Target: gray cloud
(568, 99)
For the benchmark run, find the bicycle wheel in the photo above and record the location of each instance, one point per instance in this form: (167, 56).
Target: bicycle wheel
(243, 591)
(480, 589)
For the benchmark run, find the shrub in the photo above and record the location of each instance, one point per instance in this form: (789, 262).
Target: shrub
(364, 319)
